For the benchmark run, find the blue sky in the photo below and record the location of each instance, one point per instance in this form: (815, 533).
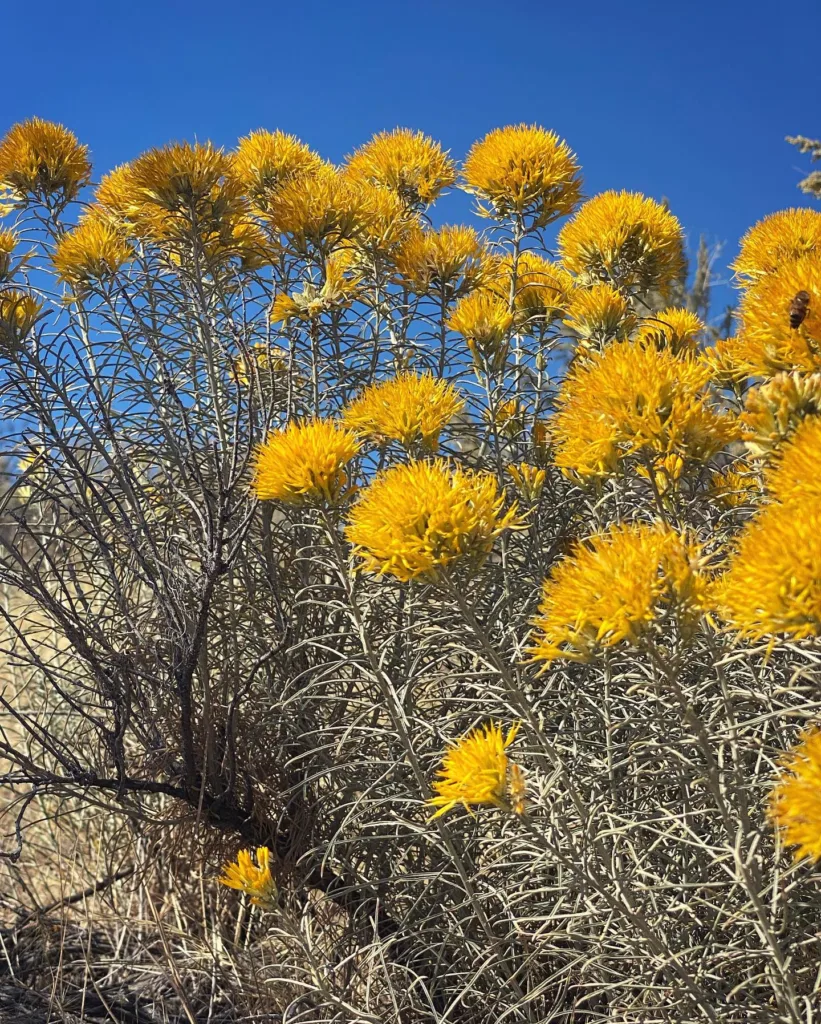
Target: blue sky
(691, 102)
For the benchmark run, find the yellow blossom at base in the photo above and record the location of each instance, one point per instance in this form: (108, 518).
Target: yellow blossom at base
(772, 587)
(255, 880)
(624, 238)
(613, 587)
(304, 463)
(418, 519)
(408, 163)
(795, 803)
(780, 238)
(523, 170)
(411, 408)
(477, 771)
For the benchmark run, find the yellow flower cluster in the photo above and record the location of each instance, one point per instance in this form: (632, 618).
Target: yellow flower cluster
(445, 263)
(781, 319)
(337, 291)
(538, 290)
(304, 463)
(477, 771)
(323, 209)
(412, 409)
(95, 250)
(626, 239)
(776, 408)
(525, 171)
(8, 243)
(598, 315)
(255, 880)
(773, 582)
(408, 163)
(675, 329)
(778, 239)
(635, 401)
(529, 480)
(486, 322)
(416, 520)
(18, 314)
(40, 158)
(614, 587)
(265, 161)
(726, 362)
(795, 803)
(731, 488)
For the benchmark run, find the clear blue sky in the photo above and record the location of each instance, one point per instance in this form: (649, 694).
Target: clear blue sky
(690, 101)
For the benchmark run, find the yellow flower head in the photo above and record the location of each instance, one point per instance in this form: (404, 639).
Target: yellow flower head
(523, 170)
(776, 408)
(614, 587)
(94, 250)
(337, 291)
(412, 409)
(304, 463)
(795, 803)
(598, 315)
(322, 209)
(476, 770)
(8, 243)
(780, 238)
(384, 221)
(181, 177)
(529, 480)
(772, 586)
(485, 321)
(540, 292)
(418, 519)
(408, 163)
(510, 417)
(449, 261)
(626, 239)
(726, 362)
(629, 400)
(781, 319)
(265, 161)
(255, 880)
(18, 313)
(39, 158)
(796, 475)
(675, 329)
(732, 488)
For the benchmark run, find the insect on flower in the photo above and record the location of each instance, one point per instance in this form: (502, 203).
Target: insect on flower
(799, 307)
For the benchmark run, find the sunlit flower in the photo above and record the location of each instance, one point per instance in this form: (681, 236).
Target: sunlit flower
(255, 880)
(476, 771)
(509, 416)
(408, 163)
(778, 239)
(529, 480)
(665, 472)
(418, 519)
(322, 209)
(626, 239)
(447, 262)
(8, 243)
(18, 314)
(795, 802)
(726, 362)
(40, 158)
(485, 321)
(304, 463)
(412, 409)
(635, 401)
(182, 177)
(598, 315)
(775, 409)
(336, 291)
(675, 329)
(735, 487)
(772, 586)
(523, 170)
(773, 338)
(796, 474)
(614, 587)
(265, 161)
(539, 292)
(384, 222)
(94, 250)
